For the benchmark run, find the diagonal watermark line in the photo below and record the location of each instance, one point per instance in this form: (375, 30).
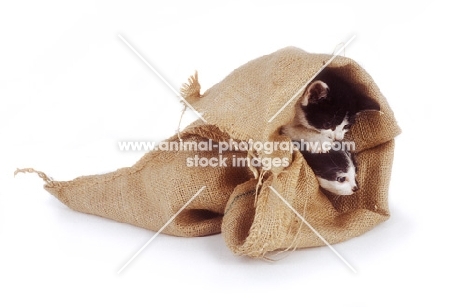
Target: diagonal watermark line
(313, 77)
(313, 229)
(162, 228)
(161, 77)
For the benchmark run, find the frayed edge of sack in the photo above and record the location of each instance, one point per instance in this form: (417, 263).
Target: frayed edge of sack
(48, 180)
(192, 88)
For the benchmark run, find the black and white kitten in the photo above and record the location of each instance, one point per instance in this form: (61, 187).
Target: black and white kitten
(327, 109)
(335, 170)
(324, 113)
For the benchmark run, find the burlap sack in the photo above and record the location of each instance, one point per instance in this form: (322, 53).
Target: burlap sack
(239, 201)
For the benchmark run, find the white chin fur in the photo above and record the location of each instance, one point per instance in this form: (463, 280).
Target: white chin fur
(328, 134)
(340, 132)
(336, 187)
(339, 135)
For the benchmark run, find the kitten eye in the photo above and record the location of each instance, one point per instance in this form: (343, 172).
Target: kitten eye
(347, 127)
(341, 179)
(327, 125)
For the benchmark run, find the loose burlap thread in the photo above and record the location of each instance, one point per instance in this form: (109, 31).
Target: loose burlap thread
(239, 201)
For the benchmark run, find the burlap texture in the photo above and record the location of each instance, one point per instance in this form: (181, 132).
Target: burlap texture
(239, 201)
(150, 192)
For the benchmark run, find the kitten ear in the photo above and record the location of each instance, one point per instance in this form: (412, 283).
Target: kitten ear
(367, 104)
(314, 91)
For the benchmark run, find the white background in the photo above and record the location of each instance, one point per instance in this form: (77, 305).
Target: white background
(70, 89)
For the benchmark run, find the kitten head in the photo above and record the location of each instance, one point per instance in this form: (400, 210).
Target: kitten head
(335, 171)
(330, 104)
(320, 111)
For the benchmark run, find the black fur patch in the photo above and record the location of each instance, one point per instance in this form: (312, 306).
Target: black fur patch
(328, 165)
(343, 99)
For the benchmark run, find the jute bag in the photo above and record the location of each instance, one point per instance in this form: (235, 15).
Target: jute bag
(249, 204)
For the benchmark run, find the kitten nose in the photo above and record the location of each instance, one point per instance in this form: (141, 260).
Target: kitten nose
(355, 188)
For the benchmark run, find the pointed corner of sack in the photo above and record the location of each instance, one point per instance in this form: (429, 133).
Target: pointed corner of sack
(50, 184)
